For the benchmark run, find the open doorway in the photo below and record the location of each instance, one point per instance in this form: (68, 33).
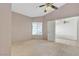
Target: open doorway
(66, 30)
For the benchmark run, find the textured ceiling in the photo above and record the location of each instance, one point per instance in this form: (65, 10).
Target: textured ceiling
(31, 9)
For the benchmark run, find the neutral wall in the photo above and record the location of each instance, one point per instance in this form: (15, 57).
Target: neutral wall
(67, 30)
(51, 30)
(21, 27)
(5, 29)
(68, 10)
(78, 30)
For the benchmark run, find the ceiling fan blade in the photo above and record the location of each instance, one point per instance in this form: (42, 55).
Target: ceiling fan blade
(41, 5)
(54, 7)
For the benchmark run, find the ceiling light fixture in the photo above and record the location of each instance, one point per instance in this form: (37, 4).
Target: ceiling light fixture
(48, 7)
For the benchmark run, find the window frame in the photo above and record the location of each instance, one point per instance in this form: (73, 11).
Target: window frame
(38, 29)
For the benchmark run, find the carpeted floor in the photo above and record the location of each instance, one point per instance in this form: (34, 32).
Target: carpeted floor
(43, 48)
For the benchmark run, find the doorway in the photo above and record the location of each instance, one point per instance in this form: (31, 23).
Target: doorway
(66, 31)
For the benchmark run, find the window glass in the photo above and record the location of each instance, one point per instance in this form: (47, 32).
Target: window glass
(36, 28)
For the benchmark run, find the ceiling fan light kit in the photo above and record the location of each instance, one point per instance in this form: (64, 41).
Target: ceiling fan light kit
(49, 7)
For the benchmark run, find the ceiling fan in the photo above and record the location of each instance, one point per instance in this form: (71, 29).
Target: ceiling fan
(48, 5)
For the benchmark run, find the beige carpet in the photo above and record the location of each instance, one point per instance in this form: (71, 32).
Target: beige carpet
(67, 42)
(43, 48)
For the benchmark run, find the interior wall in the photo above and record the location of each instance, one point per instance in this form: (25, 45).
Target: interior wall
(21, 27)
(68, 10)
(51, 30)
(5, 29)
(45, 33)
(78, 30)
(67, 30)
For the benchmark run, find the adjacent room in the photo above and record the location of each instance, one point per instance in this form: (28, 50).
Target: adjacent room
(39, 29)
(67, 30)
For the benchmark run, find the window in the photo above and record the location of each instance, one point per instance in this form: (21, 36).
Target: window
(36, 28)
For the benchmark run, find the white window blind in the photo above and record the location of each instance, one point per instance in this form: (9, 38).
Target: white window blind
(36, 28)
